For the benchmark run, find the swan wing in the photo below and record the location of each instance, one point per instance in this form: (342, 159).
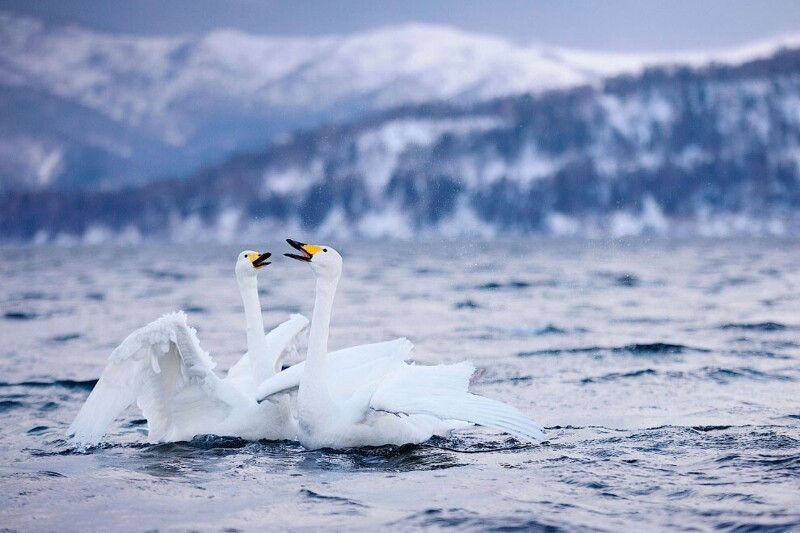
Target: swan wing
(348, 369)
(441, 391)
(164, 370)
(281, 342)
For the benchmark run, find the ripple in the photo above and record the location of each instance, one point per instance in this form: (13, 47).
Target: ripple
(50, 473)
(621, 279)
(168, 275)
(705, 429)
(614, 376)
(725, 375)
(654, 348)
(534, 331)
(467, 304)
(496, 285)
(765, 526)
(756, 326)
(20, 315)
(36, 295)
(406, 458)
(60, 339)
(210, 442)
(627, 280)
(463, 519)
(87, 385)
(326, 497)
(658, 348)
(8, 405)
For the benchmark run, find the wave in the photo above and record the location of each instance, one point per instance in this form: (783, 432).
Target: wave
(59, 339)
(8, 405)
(496, 285)
(534, 331)
(620, 279)
(467, 304)
(614, 376)
(308, 493)
(717, 374)
(725, 375)
(20, 315)
(87, 385)
(653, 348)
(469, 520)
(757, 326)
(657, 348)
(167, 275)
(35, 295)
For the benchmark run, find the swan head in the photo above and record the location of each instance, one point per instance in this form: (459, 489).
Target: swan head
(324, 260)
(249, 262)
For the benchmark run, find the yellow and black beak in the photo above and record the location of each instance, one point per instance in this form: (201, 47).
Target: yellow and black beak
(307, 250)
(260, 260)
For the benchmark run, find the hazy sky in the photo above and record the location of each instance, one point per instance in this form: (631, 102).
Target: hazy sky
(599, 24)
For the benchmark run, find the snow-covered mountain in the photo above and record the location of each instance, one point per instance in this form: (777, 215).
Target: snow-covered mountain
(83, 108)
(712, 150)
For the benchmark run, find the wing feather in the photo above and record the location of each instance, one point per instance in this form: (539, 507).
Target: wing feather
(162, 368)
(281, 342)
(348, 368)
(441, 391)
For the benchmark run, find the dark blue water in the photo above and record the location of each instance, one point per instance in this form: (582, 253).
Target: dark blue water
(667, 373)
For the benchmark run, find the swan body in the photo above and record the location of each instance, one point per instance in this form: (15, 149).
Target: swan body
(394, 402)
(164, 370)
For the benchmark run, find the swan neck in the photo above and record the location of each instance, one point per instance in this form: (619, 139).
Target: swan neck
(320, 324)
(256, 339)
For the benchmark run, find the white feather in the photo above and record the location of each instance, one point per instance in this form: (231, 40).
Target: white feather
(163, 368)
(349, 368)
(441, 391)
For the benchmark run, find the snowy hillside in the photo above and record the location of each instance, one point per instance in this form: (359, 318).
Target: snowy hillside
(714, 150)
(88, 109)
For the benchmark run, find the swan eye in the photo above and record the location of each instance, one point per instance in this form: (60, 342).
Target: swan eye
(324, 249)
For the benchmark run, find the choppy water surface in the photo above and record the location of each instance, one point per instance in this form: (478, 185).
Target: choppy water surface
(667, 373)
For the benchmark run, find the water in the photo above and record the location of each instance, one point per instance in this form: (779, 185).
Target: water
(666, 372)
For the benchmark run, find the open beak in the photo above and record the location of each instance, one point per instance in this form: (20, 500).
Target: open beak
(261, 260)
(307, 250)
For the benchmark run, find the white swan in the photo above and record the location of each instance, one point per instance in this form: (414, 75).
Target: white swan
(391, 403)
(164, 370)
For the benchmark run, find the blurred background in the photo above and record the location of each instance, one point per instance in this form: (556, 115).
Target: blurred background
(231, 119)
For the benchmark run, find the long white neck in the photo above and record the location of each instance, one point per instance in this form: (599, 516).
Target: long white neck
(314, 384)
(256, 339)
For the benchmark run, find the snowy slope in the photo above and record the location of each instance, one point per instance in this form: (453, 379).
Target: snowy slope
(178, 102)
(714, 150)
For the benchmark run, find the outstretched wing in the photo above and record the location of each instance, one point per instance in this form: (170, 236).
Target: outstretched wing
(282, 340)
(247, 373)
(348, 369)
(441, 391)
(164, 370)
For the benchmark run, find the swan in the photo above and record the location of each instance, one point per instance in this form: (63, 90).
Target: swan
(391, 403)
(163, 368)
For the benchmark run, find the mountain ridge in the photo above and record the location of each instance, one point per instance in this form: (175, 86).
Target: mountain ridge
(672, 151)
(174, 104)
